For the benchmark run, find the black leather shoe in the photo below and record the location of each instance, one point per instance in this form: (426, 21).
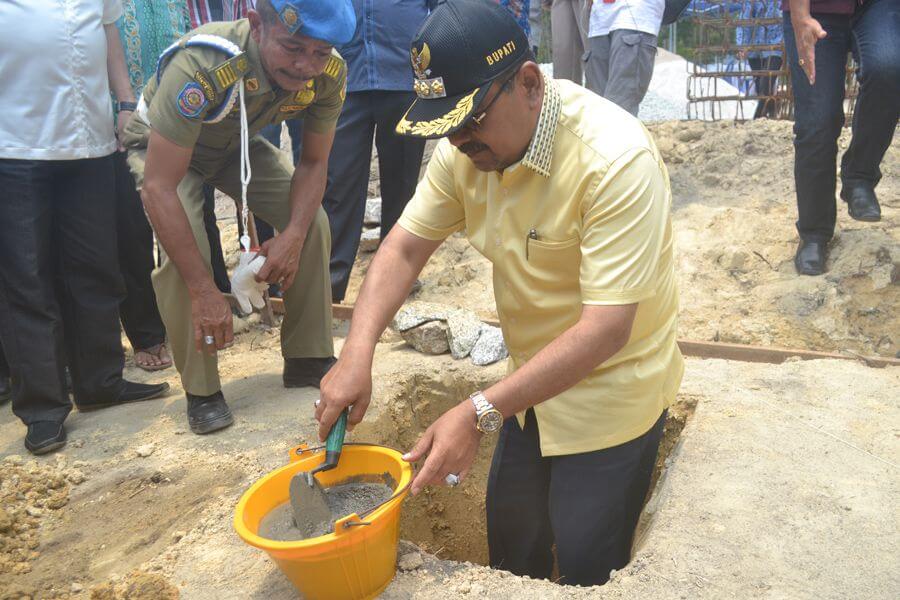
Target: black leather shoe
(208, 413)
(5, 388)
(45, 436)
(810, 258)
(131, 392)
(862, 204)
(301, 372)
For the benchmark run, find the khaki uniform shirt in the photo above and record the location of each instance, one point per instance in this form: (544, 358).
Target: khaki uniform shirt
(319, 105)
(583, 218)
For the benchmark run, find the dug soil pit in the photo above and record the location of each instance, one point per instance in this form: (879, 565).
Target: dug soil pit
(450, 523)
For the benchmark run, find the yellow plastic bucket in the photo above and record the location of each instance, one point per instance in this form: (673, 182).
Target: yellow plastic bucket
(359, 559)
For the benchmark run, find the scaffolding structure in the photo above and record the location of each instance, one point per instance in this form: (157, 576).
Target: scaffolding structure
(719, 71)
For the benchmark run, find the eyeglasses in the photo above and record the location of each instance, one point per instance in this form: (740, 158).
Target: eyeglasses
(474, 122)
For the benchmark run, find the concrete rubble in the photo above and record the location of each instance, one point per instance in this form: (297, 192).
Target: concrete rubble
(434, 329)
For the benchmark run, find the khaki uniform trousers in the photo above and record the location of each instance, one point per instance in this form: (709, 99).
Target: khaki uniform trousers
(306, 328)
(568, 26)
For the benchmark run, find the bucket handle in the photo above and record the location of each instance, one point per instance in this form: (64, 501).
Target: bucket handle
(298, 451)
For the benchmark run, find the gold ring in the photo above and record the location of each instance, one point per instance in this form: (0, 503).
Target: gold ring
(802, 62)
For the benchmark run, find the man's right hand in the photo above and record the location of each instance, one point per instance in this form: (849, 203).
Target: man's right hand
(211, 315)
(347, 384)
(807, 31)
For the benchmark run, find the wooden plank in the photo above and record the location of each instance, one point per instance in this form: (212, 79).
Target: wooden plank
(697, 348)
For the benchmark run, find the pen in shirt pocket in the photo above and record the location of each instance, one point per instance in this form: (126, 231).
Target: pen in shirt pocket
(532, 235)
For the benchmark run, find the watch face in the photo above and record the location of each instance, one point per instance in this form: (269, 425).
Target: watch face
(491, 421)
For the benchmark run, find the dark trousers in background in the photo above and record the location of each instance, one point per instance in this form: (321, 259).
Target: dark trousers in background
(765, 84)
(138, 311)
(217, 258)
(367, 115)
(587, 504)
(272, 134)
(59, 273)
(871, 34)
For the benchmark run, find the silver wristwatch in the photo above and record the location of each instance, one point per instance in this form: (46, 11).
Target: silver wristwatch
(487, 418)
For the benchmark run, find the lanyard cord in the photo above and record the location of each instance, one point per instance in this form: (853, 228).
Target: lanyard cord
(245, 170)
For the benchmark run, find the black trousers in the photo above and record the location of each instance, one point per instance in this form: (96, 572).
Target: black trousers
(587, 504)
(60, 273)
(138, 311)
(819, 110)
(765, 84)
(366, 115)
(217, 258)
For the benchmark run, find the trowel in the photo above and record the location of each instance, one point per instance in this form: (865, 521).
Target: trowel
(307, 496)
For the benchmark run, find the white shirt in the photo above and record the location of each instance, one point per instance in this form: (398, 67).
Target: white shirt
(54, 87)
(639, 15)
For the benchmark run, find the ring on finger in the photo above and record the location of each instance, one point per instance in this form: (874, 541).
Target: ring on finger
(209, 340)
(318, 402)
(452, 480)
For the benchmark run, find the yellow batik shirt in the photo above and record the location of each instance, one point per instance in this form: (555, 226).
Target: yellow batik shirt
(582, 219)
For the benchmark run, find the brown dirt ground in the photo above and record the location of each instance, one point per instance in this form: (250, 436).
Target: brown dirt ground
(111, 525)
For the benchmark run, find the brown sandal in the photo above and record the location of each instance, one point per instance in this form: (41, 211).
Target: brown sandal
(156, 351)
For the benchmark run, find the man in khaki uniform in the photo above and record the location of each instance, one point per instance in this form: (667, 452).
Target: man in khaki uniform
(277, 64)
(567, 196)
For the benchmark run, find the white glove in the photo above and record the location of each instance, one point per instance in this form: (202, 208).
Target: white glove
(244, 286)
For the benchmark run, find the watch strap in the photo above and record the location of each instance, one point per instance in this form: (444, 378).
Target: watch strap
(127, 106)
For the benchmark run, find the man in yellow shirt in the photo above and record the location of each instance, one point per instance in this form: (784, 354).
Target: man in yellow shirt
(568, 197)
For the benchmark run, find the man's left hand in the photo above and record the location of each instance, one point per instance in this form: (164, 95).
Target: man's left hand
(451, 444)
(282, 254)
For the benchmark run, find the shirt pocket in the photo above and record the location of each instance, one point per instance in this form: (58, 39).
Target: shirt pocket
(555, 263)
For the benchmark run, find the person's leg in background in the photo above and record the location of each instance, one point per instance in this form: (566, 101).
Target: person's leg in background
(818, 118)
(875, 33)
(217, 257)
(138, 311)
(348, 180)
(595, 502)
(520, 537)
(765, 84)
(30, 319)
(399, 157)
(631, 57)
(568, 39)
(92, 285)
(596, 64)
(295, 131)
(5, 384)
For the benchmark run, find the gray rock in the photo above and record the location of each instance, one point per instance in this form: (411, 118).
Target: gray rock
(430, 338)
(415, 313)
(410, 561)
(373, 212)
(490, 346)
(464, 329)
(369, 240)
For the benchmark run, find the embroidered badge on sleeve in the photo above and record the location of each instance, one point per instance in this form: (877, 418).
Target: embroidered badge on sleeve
(191, 100)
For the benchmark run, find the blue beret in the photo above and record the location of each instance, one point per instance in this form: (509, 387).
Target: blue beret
(332, 21)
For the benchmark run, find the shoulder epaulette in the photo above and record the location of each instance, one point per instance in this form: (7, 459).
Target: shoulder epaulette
(333, 67)
(220, 79)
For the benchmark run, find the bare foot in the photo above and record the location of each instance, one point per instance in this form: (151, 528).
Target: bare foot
(154, 358)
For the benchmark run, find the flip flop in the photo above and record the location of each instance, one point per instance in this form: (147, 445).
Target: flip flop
(153, 351)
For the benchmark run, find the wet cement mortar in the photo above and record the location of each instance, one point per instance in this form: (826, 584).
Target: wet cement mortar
(136, 507)
(342, 500)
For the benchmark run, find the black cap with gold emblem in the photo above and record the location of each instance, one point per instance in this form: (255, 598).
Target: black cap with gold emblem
(459, 50)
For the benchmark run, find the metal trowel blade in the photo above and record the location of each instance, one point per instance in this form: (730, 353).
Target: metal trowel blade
(308, 502)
